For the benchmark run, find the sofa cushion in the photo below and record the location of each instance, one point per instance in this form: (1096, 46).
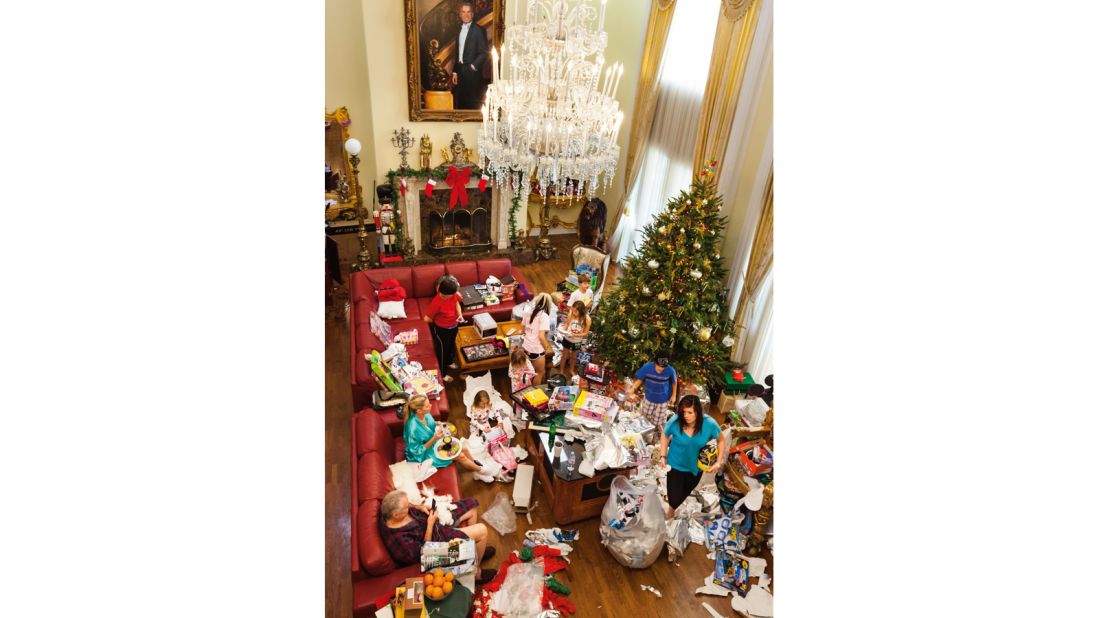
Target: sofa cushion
(424, 278)
(465, 272)
(445, 481)
(371, 433)
(403, 275)
(374, 478)
(373, 555)
(361, 288)
(498, 267)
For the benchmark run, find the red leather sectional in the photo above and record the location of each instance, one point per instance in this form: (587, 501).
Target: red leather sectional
(376, 440)
(373, 450)
(419, 282)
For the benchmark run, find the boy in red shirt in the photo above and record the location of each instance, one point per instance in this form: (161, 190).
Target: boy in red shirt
(443, 314)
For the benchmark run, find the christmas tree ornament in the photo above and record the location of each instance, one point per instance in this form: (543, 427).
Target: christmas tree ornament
(682, 231)
(634, 332)
(662, 296)
(705, 201)
(697, 274)
(727, 341)
(704, 333)
(697, 246)
(646, 291)
(653, 264)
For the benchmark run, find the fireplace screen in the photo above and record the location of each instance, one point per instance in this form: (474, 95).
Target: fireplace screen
(458, 228)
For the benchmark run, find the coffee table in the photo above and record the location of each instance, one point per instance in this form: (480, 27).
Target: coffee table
(573, 496)
(467, 335)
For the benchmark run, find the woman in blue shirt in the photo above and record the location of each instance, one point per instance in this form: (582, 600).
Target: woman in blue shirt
(684, 437)
(420, 435)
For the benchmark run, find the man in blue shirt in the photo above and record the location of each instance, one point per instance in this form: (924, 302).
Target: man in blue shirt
(659, 378)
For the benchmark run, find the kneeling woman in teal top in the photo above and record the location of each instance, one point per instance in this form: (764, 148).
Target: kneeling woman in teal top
(420, 436)
(684, 437)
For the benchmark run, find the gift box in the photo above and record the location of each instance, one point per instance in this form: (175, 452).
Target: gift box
(754, 456)
(734, 386)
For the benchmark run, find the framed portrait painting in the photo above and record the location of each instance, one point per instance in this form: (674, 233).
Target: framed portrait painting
(449, 54)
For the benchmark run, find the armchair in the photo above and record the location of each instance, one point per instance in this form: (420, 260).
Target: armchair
(597, 259)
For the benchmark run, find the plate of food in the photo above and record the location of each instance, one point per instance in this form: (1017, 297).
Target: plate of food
(448, 447)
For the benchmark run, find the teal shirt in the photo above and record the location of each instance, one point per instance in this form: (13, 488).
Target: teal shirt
(416, 435)
(683, 449)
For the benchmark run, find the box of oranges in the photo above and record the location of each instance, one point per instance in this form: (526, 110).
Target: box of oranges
(438, 584)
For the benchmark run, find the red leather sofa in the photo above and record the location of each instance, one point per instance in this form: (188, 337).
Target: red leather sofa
(373, 450)
(419, 283)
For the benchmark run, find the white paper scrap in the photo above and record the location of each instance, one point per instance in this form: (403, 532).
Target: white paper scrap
(759, 603)
(652, 590)
(713, 612)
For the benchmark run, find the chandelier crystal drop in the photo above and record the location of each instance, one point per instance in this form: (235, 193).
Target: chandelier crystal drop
(551, 108)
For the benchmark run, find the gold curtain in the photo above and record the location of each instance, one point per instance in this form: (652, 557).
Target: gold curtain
(759, 261)
(735, 30)
(656, 35)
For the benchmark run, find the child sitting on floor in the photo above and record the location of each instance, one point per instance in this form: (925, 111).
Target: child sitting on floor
(482, 414)
(521, 370)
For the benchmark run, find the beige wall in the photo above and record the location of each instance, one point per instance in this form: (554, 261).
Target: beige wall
(386, 94)
(346, 79)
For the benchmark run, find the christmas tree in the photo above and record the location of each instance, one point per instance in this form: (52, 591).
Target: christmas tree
(671, 295)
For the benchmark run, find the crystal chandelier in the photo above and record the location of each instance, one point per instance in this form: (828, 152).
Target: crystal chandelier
(551, 107)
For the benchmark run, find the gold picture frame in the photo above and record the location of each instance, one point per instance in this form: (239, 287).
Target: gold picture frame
(440, 17)
(336, 132)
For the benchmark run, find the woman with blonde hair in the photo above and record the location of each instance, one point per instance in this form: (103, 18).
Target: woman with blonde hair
(421, 434)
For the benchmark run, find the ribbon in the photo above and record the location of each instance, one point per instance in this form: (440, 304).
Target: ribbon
(456, 179)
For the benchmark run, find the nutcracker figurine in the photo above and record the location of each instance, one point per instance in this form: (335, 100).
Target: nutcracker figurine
(384, 222)
(425, 152)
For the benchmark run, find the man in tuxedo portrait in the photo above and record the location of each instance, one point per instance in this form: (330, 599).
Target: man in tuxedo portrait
(471, 59)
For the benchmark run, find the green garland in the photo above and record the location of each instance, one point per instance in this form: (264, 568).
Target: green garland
(513, 234)
(394, 176)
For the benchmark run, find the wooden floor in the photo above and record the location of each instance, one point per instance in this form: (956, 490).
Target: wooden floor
(600, 586)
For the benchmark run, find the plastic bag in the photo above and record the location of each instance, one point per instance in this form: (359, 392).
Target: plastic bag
(632, 524)
(520, 596)
(501, 515)
(678, 538)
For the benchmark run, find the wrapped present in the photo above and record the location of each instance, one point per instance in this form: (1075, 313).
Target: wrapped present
(408, 337)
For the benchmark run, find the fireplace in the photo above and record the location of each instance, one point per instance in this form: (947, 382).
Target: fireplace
(416, 209)
(462, 228)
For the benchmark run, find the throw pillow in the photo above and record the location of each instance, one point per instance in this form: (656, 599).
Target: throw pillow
(391, 309)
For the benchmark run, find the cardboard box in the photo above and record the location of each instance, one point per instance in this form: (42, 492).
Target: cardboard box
(725, 403)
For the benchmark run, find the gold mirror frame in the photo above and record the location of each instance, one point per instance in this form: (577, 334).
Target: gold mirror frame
(416, 111)
(342, 121)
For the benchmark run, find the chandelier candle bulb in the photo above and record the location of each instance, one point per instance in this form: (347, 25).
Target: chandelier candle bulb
(602, 14)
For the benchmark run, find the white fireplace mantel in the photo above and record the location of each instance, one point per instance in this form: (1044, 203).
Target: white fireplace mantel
(410, 209)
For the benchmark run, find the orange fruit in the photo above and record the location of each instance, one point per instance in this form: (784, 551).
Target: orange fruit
(448, 576)
(439, 575)
(438, 592)
(447, 587)
(429, 580)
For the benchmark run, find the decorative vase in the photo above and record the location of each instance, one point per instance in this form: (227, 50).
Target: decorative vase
(438, 99)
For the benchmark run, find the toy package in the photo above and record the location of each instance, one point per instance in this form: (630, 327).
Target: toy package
(457, 556)
(381, 329)
(731, 571)
(754, 457)
(593, 406)
(564, 397)
(408, 337)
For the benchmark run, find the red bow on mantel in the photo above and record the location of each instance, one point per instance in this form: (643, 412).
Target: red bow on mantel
(456, 179)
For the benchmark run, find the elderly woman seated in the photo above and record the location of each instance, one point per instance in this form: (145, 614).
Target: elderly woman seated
(406, 527)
